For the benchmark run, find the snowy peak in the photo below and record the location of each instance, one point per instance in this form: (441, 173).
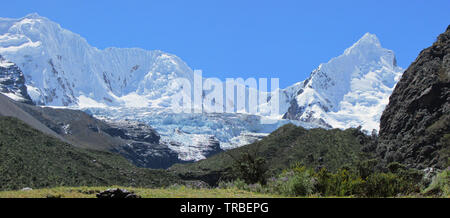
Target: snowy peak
(33, 15)
(368, 49)
(369, 40)
(349, 90)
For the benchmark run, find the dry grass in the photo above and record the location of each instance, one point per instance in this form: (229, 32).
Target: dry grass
(90, 192)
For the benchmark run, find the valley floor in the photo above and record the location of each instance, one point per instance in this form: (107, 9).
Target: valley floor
(178, 192)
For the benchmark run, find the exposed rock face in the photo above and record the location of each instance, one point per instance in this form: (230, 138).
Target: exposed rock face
(132, 130)
(142, 146)
(415, 126)
(12, 82)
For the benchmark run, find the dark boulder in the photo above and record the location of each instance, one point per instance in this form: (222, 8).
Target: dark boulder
(117, 193)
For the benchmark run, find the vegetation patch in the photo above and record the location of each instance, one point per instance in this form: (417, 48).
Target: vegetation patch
(301, 181)
(284, 147)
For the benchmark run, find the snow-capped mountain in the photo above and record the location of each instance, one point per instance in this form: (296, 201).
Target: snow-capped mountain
(350, 90)
(62, 69)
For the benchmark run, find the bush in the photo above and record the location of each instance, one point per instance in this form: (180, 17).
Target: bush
(367, 167)
(440, 185)
(387, 185)
(250, 168)
(341, 183)
(302, 181)
(297, 181)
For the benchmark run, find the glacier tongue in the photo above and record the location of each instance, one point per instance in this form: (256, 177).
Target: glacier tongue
(194, 136)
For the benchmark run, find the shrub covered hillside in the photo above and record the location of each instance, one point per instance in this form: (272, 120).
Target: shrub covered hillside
(286, 146)
(29, 158)
(362, 181)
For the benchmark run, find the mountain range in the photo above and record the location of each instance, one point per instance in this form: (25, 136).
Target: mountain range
(68, 118)
(60, 69)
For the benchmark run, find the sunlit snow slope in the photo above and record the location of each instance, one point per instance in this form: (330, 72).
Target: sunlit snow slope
(62, 69)
(350, 90)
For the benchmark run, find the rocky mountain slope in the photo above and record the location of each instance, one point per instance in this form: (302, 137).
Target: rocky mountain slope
(8, 107)
(141, 144)
(30, 158)
(12, 82)
(415, 127)
(137, 142)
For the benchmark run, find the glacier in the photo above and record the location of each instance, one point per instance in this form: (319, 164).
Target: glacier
(62, 70)
(190, 134)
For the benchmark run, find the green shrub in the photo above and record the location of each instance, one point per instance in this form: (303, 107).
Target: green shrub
(302, 181)
(341, 183)
(395, 167)
(366, 167)
(388, 185)
(440, 185)
(297, 181)
(250, 168)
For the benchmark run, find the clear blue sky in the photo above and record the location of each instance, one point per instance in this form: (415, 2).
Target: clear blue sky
(247, 38)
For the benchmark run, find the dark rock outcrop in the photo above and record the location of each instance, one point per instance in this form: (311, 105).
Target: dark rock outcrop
(141, 145)
(117, 193)
(12, 81)
(415, 126)
(149, 155)
(132, 130)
